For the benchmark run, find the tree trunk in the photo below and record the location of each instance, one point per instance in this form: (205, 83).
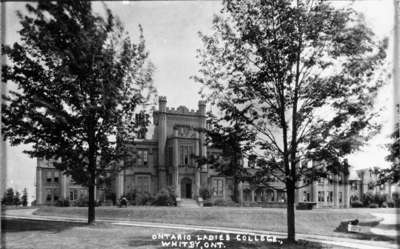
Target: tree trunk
(290, 212)
(235, 189)
(91, 205)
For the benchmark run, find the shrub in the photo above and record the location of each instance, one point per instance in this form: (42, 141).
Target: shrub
(112, 197)
(373, 205)
(367, 199)
(356, 204)
(384, 205)
(219, 202)
(380, 199)
(305, 205)
(205, 193)
(83, 201)
(390, 203)
(143, 199)
(62, 203)
(131, 195)
(207, 203)
(165, 197)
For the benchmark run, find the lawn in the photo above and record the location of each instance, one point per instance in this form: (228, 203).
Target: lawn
(320, 221)
(21, 234)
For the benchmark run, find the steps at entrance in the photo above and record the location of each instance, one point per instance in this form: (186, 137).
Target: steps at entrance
(190, 203)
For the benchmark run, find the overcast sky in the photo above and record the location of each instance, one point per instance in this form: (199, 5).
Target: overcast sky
(170, 30)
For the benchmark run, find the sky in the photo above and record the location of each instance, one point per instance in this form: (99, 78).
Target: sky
(171, 32)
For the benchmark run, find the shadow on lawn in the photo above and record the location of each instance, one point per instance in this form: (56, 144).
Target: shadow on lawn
(21, 225)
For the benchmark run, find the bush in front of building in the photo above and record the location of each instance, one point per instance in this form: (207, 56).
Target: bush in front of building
(62, 203)
(83, 201)
(204, 193)
(143, 198)
(165, 197)
(373, 205)
(220, 203)
(356, 204)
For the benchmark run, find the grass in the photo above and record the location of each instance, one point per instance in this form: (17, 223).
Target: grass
(24, 234)
(321, 221)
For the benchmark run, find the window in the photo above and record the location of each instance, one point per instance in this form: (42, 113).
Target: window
(329, 196)
(48, 195)
(73, 195)
(340, 197)
(354, 186)
(48, 176)
(330, 179)
(382, 187)
(340, 179)
(56, 175)
(142, 184)
(56, 194)
(218, 187)
(142, 158)
(370, 186)
(321, 196)
(186, 152)
(321, 181)
(306, 196)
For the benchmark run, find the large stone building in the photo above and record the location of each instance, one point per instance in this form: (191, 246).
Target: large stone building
(165, 160)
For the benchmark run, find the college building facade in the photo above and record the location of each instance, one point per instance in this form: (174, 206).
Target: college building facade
(166, 160)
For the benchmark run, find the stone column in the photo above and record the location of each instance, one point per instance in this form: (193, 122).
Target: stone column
(175, 164)
(63, 184)
(240, 187)
(346, 194)
(314, 193)
(252, 195)
(336, 191)
(39, 186)
(197, 169)
(203, 146)
(162, 139)
(120, 185)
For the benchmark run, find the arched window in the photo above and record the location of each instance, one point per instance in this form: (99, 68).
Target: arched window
(269, 195)
(259, 195)
(247, 195)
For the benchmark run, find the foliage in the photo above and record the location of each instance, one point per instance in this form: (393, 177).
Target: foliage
(392, 174)
(356, 204)
(24, 198)
(17, 199)
(143, 198)
(165, 197)
(64, 203)
(205, 193)
(373, 205)
(219, 202)
(234, 140)
(8, 198)
(80, 81)
(279, 67)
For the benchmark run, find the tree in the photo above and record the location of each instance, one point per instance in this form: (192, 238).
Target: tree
(24, 198)
(80, 80)
(17, 199)
(302, 75)
(234, 140)
(8, 198)
(392, 174)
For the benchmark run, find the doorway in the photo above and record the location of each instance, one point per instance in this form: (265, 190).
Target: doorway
(186, 188)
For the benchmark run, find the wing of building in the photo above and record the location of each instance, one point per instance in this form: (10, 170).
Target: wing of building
(165, 160)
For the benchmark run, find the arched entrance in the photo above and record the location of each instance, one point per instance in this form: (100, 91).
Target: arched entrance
(186, 188)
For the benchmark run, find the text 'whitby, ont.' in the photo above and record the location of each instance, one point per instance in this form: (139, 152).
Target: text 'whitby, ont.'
(204, 241)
